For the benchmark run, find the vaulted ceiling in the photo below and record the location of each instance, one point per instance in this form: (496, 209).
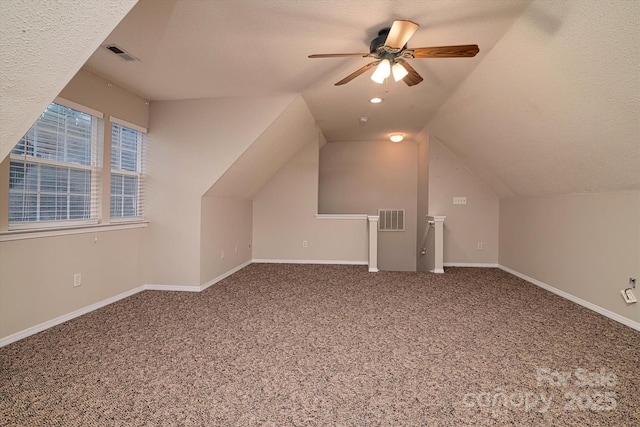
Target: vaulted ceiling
(551, 104)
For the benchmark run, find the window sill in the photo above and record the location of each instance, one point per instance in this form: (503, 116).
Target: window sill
(7, 236)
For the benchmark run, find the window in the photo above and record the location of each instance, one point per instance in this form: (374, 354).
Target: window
(126, 172)
(53, 173)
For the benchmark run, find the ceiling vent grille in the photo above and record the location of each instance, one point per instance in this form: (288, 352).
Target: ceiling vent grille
(120, 52)
(391, 220)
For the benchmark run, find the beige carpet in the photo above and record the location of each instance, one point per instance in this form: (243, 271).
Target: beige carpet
(304, 345)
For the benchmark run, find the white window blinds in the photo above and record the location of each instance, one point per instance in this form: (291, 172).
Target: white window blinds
(53, 171)
(127, 190)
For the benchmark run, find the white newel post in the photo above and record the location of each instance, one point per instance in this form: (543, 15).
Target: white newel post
(373, 242)
(438, 224)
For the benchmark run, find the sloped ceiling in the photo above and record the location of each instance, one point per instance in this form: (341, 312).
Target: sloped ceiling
(291, 131)
(222, 48)
(43, 46)
(549, 105)
(555, 106)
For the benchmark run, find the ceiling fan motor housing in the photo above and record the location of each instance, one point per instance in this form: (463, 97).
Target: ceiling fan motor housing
(379, 41)
(380, 50)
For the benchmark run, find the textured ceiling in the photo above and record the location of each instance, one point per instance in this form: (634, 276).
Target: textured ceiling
(560, 116)
(38, 55)
(551, 104)
(202, 49)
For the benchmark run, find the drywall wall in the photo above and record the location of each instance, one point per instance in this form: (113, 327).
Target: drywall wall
(34, 293)
(36, 275)
(191, 144)
(587, 245)
(284, 216)
(422, 201)
(225, 235)
(360, 177)
(466, 225)
(89, 89)
(43, 46)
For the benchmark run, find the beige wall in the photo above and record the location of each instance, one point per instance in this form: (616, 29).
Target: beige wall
(225, 227)
(360, 177)
(191, 144)
(422, 201)
(465, 225)
(284, 215)
(36, 274)
(587, 245)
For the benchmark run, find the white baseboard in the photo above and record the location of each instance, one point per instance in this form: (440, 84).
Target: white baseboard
(77, 313)
(470, 264)
(373, 270)
(66, 317)
(309, 261)
(437, 270)
(224, 275)
(600, 310)
(172, 288)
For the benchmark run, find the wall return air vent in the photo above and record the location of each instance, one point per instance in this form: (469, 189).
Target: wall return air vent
(120, 52)
(391, 220)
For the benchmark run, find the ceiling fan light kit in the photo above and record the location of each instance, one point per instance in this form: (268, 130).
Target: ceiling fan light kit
(389, 49)
(399, 72)
(382, 71)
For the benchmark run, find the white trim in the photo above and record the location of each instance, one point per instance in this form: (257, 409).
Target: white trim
(224, 275)
(471, 264)
(437, 270)
(600, 310)
(79, 107)
(127, 124)
(373, 270)
(66, 317)
(171, 288)
(309, 261)
(7, 236)
(342, 216)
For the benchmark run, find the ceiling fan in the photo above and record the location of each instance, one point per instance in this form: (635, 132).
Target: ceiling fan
(390, 52)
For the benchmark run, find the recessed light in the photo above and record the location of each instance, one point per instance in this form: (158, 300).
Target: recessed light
(375, 100)
(396, 138)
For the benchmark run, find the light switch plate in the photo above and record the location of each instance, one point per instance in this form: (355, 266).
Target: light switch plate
(459, 200)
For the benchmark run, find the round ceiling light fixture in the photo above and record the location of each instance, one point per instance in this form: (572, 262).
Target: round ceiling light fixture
(396, 138)
(375, 100)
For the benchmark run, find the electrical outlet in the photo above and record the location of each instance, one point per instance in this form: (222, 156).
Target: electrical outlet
(628, 296)
(222, 254)
(459, 200)
(304, 243)
(479, 246)
(77, 280)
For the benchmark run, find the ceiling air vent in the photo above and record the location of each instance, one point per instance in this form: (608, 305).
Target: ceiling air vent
(391, 220)
(121, 52)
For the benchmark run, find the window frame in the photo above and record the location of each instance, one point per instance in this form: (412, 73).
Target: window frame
(139, 173)
(94, 167)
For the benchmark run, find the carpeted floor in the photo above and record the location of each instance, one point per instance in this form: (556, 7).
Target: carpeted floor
(323, 345)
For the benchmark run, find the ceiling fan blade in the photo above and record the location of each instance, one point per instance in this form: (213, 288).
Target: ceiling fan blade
(357, 73)
(462, 51)
(400, 33)
(413, 78)
(336, 55)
